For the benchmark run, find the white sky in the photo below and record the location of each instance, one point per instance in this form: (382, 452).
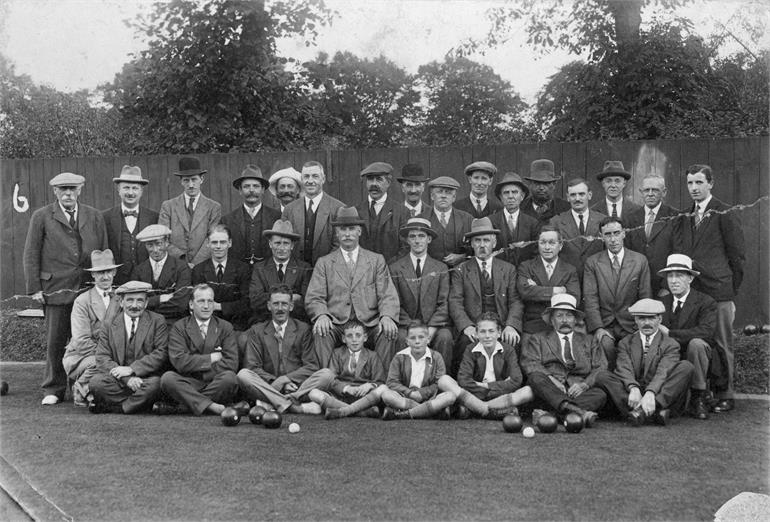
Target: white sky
(76, 44)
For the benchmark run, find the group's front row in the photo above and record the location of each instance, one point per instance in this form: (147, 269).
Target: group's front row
(140, 365)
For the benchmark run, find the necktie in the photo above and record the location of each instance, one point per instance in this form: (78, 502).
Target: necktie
(350, 263)
(191, 206)
(540, 209)
(130, 213)
(511, 224)
(353, 363)
(479, 210)
(648, 224)
(549, 270)
(279, 338)
(71, 218)
(155, 271)
(646, 344)
(484, 272)
(614, 210)
(280, 272)
(372, 211)
(413, 211)
(615, 265)
(568, 352)
(677, 307)
(698, 215)
(203, 331)
(442, 219)
(133, 330)
(310, 205)
(417, 269)
(220, 272)
(581, 226)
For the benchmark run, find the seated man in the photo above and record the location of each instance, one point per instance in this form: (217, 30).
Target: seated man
(131, 355)
(423, 288)
(355, 376)
(90, 311)
(650, 382)
(280, 359)
(203, 351)
(690, 319)
(168, 274)
(561, 364)
(414, 379)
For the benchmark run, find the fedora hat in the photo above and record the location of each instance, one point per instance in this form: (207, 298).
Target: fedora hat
(483, 166)
(445, 182)
(67, 179)
(562, 302)
(511, 178)
(481, 226)
(646, 307)
(347, 216)
(131, 174)
(417, 223)
(289, 172)
(613, 168)
(189, 166)
(251, 172)
(678, 263)
(282, 227)
(377, 168)
(102, 260)
(542, 170)
(412, 172)
(133, 287)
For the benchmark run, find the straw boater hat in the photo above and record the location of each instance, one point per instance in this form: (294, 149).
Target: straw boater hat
(377, 168)
(189, 166)
(511, 178)
(347, 216)
(131, 174)
(445, 182)
(153, 232)
(480, 227)
(418, 223)
(542, 170)
(251, 172)
(282, 227)
(288, 172)
(647, 307)
(67, 179)
(483, 166)
(412, 172)
(102, 260)
(678, 263)
(133, 287)
(613, 168)
(562, 302)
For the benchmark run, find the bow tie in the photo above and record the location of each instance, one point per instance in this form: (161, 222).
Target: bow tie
(127, 213)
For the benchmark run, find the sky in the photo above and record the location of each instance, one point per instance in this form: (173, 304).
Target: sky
(77, 44)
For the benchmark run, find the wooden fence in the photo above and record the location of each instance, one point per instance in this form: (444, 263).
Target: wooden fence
(740, 166)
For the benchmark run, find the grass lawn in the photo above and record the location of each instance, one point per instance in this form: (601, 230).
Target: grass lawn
(99, 467)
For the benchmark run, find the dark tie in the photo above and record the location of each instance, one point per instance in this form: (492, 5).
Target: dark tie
(568, 352)
(614, 210)
(133, 331)
(310, 205)
(479, 210)
(71, 218)
(372, 211)
(484, 271)
(280, 272)
(582, 226)
(677, 307)
(130, 213)
(648, 224)
(279, 338)
(615, 265)
(220, 272)
(190, 208)
(417, 269)
(698, 217)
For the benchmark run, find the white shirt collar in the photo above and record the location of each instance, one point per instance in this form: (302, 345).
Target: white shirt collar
(447, 212)
(280, 328)
(64, 211)
(421, 258)
(316, 201)
(251, 212)
(195, 203)
(705, 203)
(127, 321)
(643, 337)
(552, 263)
(284, 263)
(488, 262)
(124, 208)
(159, 264)
(618, 205)
(379, 203)
(654, 209)
(620, 255)
(352, 254)
(216, 263)
(576, 217)
(481, 201)
(571, 344)
(480, 349)
(508, 215)
(408, 351)
(682, 299)
(417, 208)
(201, 324)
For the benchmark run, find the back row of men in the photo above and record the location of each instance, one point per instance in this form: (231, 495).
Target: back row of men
(530, 248)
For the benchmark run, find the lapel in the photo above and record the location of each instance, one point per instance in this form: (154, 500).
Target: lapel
(321, 218)
(554, 345)
(570, 228)
(605, 269)
(497, 277)
(658, 225)
(341, 268)
(427, 283)
(637, 353)
(289, 334)
(59, 216)
(142, 221)
(626, 270)
(407, 271)
(181, 211)
(428, 371)
(688, 308)
(142, 329)
(652, 353)
(272, 344)
(700, 232)
(165, 279)
(119, 337)
(363, 267)
(473, 275)
(559, 271)
(291, 272)
(115, 221)
(386, 212)
(201, 211)
(97, 305)
(193, 332)
(498, 360)
(541, 274)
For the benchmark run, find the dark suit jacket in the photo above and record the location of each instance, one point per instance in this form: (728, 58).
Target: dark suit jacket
(190, 354)
(555, 207)
(324, 239)
(450, 240)
(660, 244)
(537, 297)
(697, 318)
(542, 353)
(647, 373)
(465, 294)
(265, 275)
(175, 277)
(400, 374)
(189, 240)
(508, 376)
(262, 355)
(113, 219)
(235, 221)
(629, 207)
(54, 258)
(577, 249)
(150, 345)
(429, 294)
(387, 241)
(527, 229)
(607, 300)
(716, 248)
(368, 369)
(466, 205)
(232, 294)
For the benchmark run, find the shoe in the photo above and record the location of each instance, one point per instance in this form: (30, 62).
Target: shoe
(499, 413)
(590, 418)
(462, 413)
(50, 400)
(311, 408)
(723, 406)
(163, 408)
(333, 413)
(698, 408)
(388, 414)
(636, 417)
(661, 416)
(97, 407)
(372, 412)
(444, 414)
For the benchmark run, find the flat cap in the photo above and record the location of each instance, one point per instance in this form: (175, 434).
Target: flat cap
(646, 307)
(67, 179)
(483, 166)
(153, 232)
(133, 287)
(444, 181)
(376, 168)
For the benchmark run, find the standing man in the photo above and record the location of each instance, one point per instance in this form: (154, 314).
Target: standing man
(189, 215)
(59, 242)
(352, 283)
(312, 214)
(285, 185)
(541, 203)
(613, 178)
(247, 222)
(124, 222)
(613, 280)
(450, 224)
(518, 231)
(652, 227)
(713, 238)
(413, 182)
(383, 216)
(480, 176)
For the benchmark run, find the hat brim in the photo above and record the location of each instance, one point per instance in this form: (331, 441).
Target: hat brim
(237, 182)
(664, 271)
(193, 172)
(349, 222)
(499, 188)
(404, 231)
(474, 233)
(102, 268)
(290, 235)
(124, 180)
(548, 311)
(621, 173)
(421, 179)
(543, 179)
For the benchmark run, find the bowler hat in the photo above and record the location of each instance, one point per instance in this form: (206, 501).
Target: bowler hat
(282, 227)
(347, 216)
(417, 223)
(251, 172)
(483, 166)
(480, 227)
(67, 179)
(511, 178)
(613, 168)
(189, 166)
(445, 182)
(131, 174)
(646, 307)
(412, 172)
(542, 170)
(153, 232)
(132, 287)
(288, 172)
(102, 260)
(377, 168)
(678, 263)
(562, 302)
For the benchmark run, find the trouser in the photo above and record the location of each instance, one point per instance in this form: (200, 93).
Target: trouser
(544, 389)
(112, 392)
(672, 395)
(723, 338)
(609, 346)
(698, 353)
(198, 394)
(255, 387)
(443, 342)
(58, 332)
(383, 346)
(80, 370)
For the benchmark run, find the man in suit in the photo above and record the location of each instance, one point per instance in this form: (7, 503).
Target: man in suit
(383, 216)
(349, 283)
(613, 280)
(543, 277)
(423, 288)
(124, 221)
(279, 269)
(651, 228)
(690, 319)
(562, 364)
(483, 284)
(480, 176)
(247, 222)
(131, 355)
(518, 231)
(541, 204)
(579, 226)
(90, 311)
(281, 364)
(189, 215)
(286, 186)
(412, 181)
(713, 238)
(613, 178)
(203, 352)
(60, 239)
(169, 276)
(312, 214)
(450, 224)
(650, 382)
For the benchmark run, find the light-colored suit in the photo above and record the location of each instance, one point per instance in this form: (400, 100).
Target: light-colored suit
(189, 239)
(324, 238)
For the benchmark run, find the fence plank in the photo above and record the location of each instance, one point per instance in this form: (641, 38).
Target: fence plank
(746, 169)
(722, 162)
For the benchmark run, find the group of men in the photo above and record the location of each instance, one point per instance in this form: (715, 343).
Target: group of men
(613, 307)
